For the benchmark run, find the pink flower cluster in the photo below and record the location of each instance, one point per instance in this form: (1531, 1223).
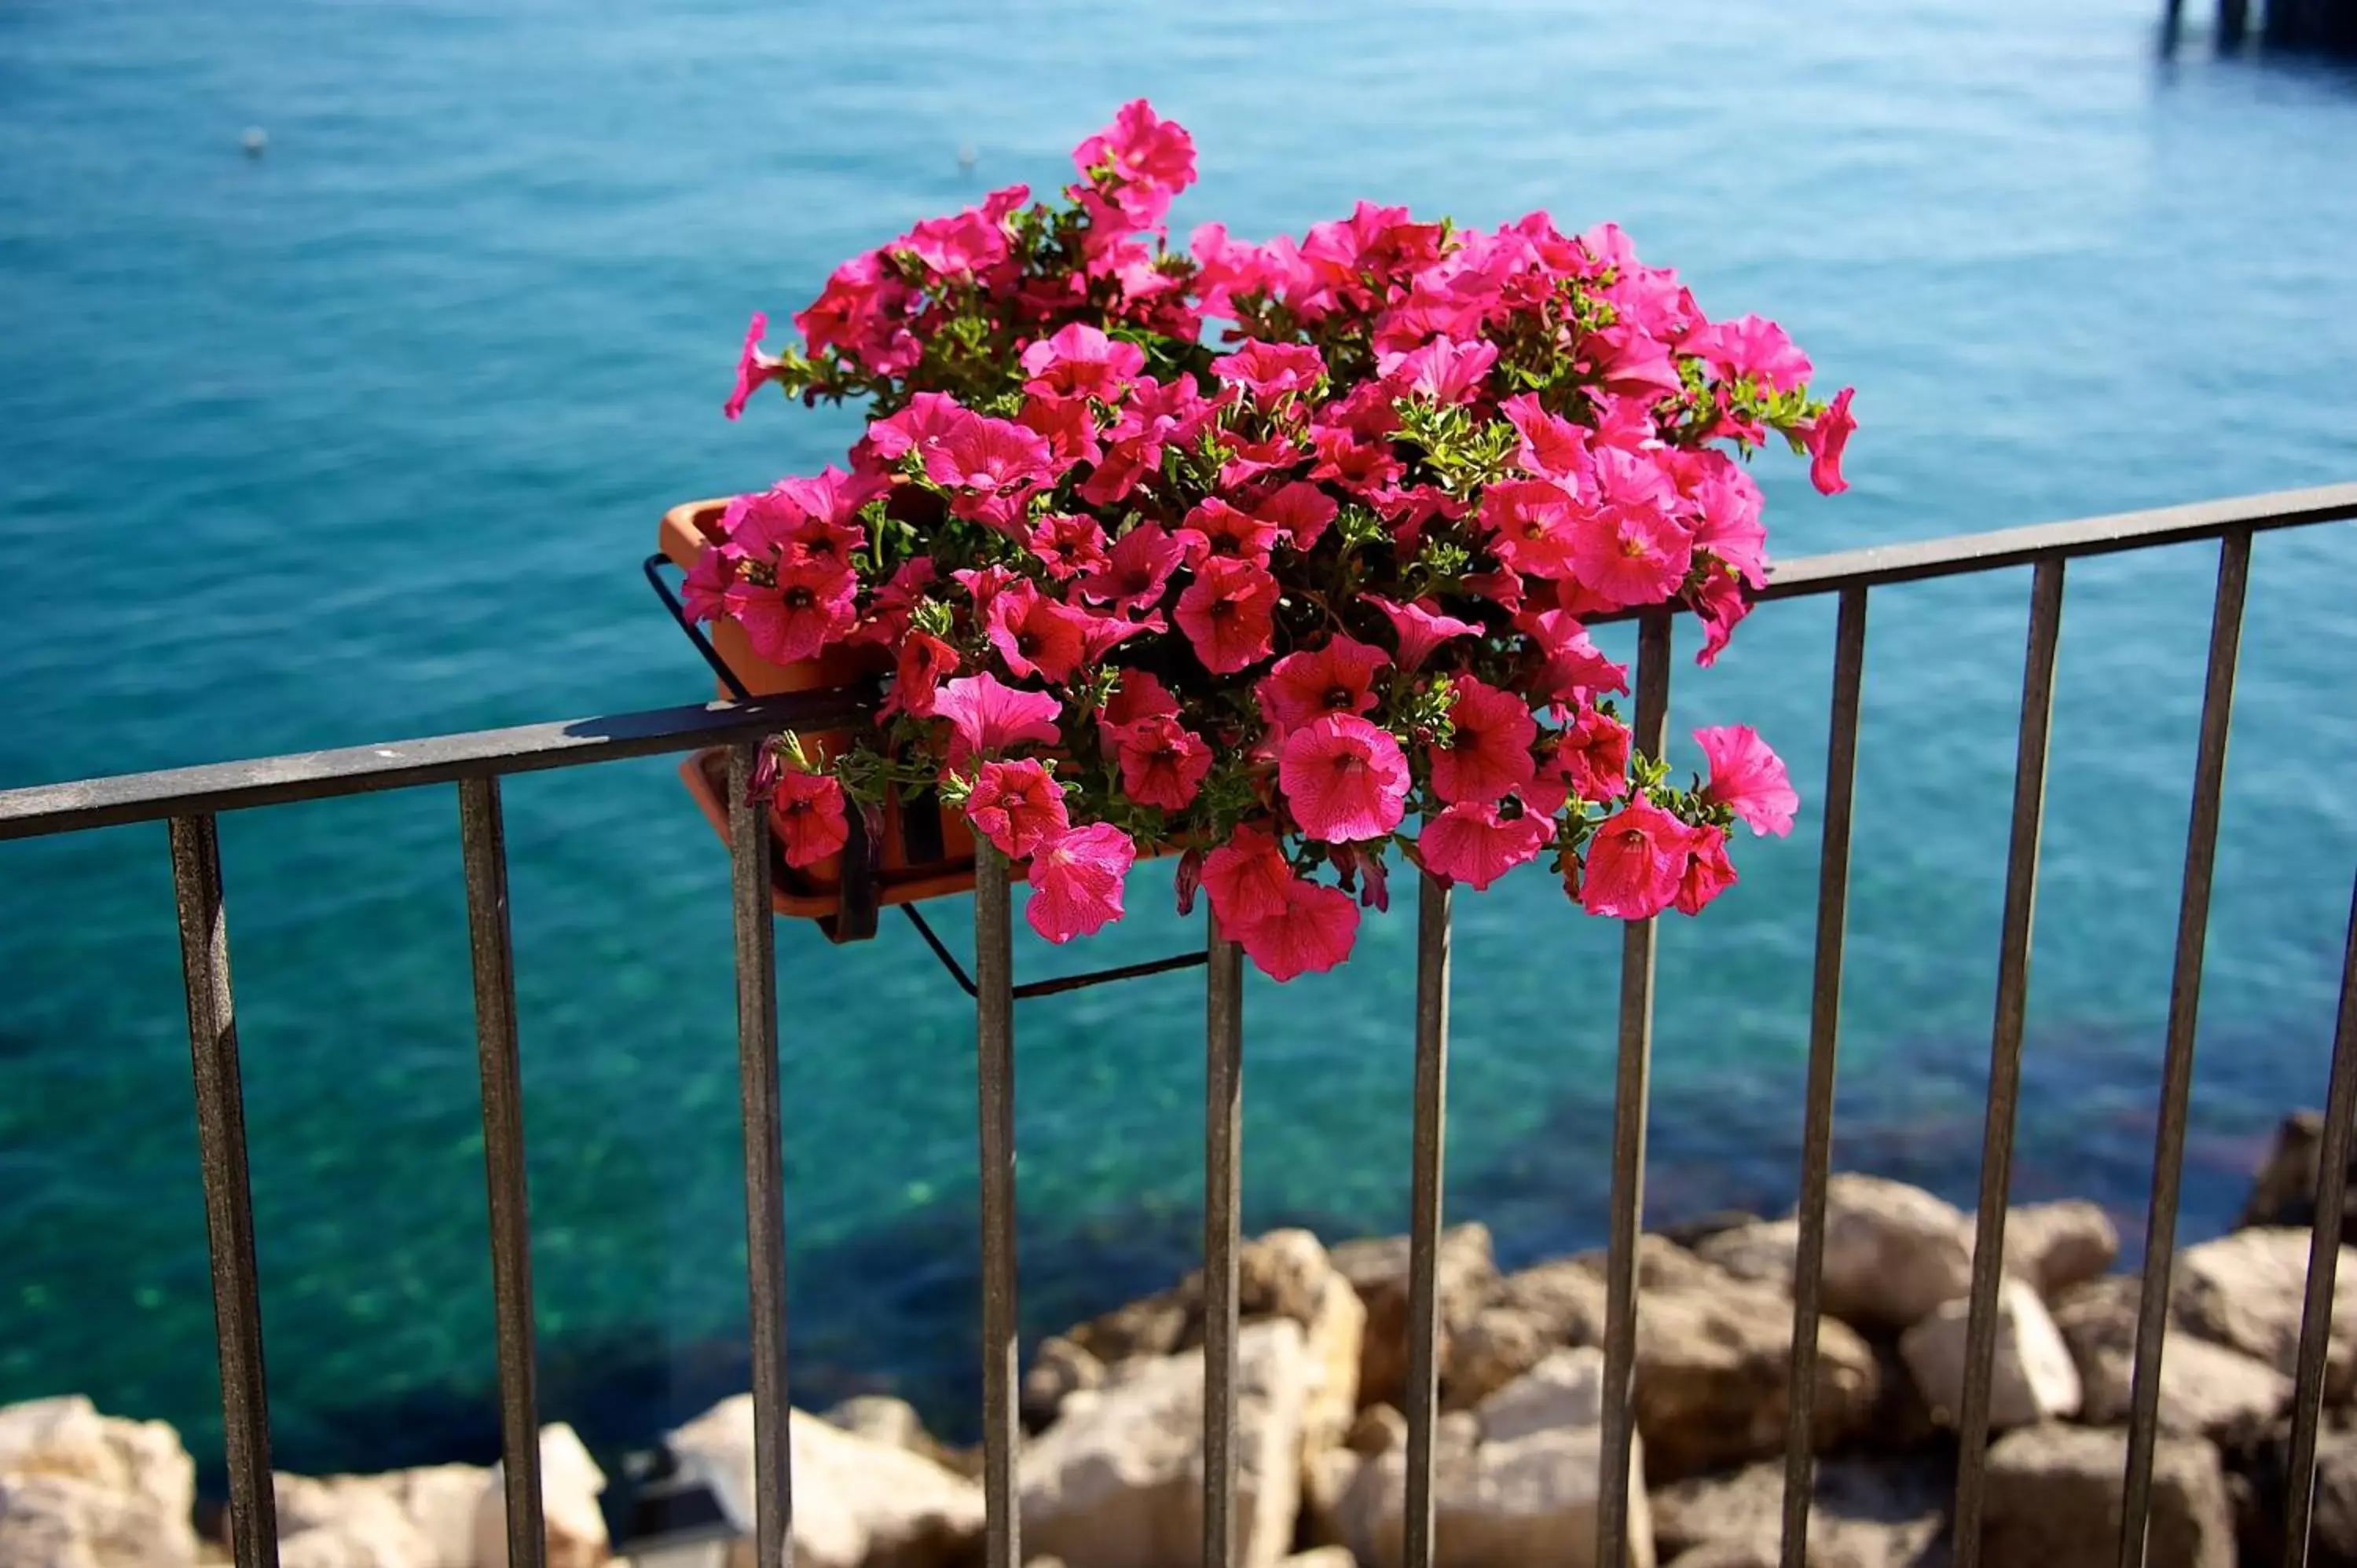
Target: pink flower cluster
(1273, 556)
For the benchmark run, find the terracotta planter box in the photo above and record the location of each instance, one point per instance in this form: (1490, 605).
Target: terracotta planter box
(924, 852)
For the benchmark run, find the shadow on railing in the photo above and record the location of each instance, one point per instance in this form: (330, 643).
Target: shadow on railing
(190, 799)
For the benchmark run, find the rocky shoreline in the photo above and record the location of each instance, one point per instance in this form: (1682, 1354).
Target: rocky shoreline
(1111, 1409)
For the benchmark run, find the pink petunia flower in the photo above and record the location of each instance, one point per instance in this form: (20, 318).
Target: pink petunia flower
(1076, 881)
(1749, 346)
(918, 665)
(1336, 679)
(1301, 510)
(1216, 528)
(1016, 805)
(969, 243)
(1421, 629)
(1630, 551)
(754, 368)
(704, 591)
(1228, 613)
(1826, 439)
(1747, 779)
(1080, 360)
(1591, 756)
(1721, 605)
(1068, 544)
(1533, 526)
(809, 607)
(1140, 693)
(1708, 872)
(1135, 569)
(1572, 666)
(1035, 634)
(929, 421)
(1476, 843)
(1101, 633)
(1314, 932)
(989, 456)
(986, 716)
(1550, 448)
(1634, 862)
(1726, 502)
(1443, 369)
(1145, 161)
(1067, 424)
(807, 812)
(1162, 762)
(1344, 778)
(1271, 370)
(1488, 750)
(1246, 879)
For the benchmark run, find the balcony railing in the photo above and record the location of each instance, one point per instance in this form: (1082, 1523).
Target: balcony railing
(188, 800)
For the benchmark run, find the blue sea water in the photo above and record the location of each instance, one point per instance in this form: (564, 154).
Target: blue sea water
(363, 438)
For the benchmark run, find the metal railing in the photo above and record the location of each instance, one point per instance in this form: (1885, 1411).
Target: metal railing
(189, 799)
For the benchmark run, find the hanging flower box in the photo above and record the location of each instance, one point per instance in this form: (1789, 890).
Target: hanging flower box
(1277, 551)
(920, 851)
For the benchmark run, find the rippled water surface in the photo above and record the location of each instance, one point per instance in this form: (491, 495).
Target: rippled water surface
(364, 438)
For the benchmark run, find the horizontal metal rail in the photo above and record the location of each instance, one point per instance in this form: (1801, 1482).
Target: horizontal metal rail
(215, 787)
(190, 797)
(45, 809)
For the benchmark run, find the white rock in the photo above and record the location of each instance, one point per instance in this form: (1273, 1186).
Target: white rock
(1893, 1252)
(1332, 1342)
(2055, 1246)
(2053, 1500)
(1117, 1481)
(1377, 1267)
(2206, 1390)
(856, 1501)
(1761, 1253)
(2031, 1379)
(2247, 1291)
(63, 1521)
(440, 1501)
(1863, 1513)
(570, 1482)
(1525, 1493)
(140, 1464)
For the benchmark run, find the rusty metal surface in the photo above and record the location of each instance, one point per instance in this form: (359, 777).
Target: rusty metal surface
(228, 1195)
(2005, 1054)
(2323, 1260)
(1223, 1051)
(993, 965)
(765, 1203)
(1825, 1037)
(1425, 1203)
(2177, 1068)
(1632, 1089)
(399, 764)
(482, 842)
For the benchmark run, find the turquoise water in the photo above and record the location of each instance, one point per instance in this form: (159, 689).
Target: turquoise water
(364, 439)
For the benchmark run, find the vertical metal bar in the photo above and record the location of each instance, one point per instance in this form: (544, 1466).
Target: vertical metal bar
(2005, 1052)
(482, 843)
(2184, 1012)
(1825, 1036)
(2323, 1259)
(764, 1211)
(1631, 1090)
(229, 1196)
(1431, 1136)
(1223, 1050)
(993, 965)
